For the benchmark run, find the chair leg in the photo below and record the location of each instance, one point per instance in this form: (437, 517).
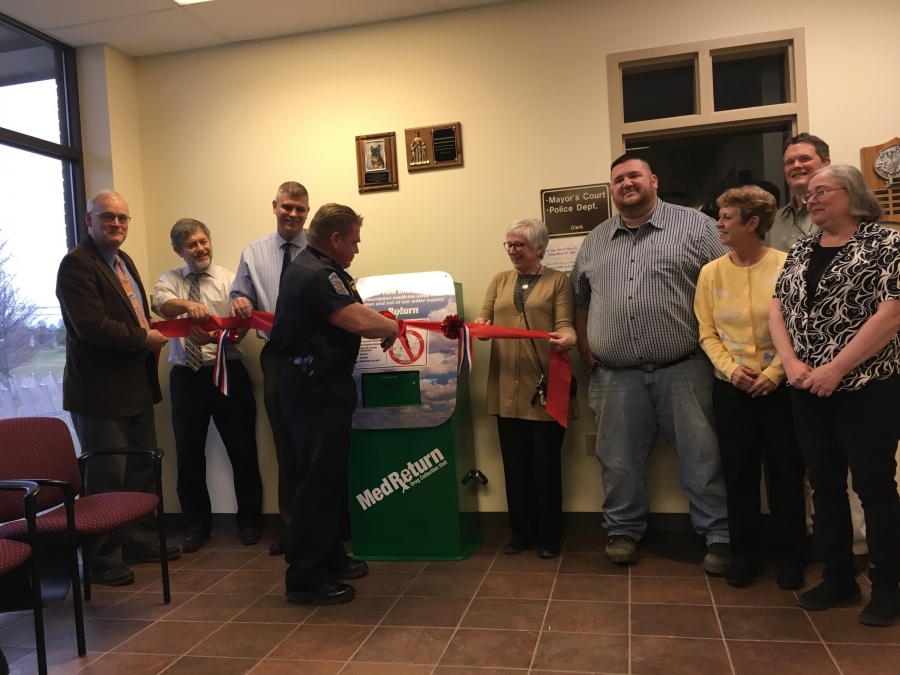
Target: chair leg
(37, 602)
(76, 600)
(163, 558)
(86, 572)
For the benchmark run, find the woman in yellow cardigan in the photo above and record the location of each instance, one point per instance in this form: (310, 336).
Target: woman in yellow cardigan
(750, 399)
(536, 297)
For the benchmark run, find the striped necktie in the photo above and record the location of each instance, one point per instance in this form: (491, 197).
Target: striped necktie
(193, 351)
(122, 274)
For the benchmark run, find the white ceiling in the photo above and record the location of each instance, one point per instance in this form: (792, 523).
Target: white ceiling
(144, 27)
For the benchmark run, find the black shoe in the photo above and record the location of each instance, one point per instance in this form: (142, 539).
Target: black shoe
(4, 666)
(883, 609)
(354, 569)
(328, 593)
(514, 547)
(829, 593)
(790, 575)
(250, 535)
(742, 572)
(193, 543)
(548, 553)
(149, 555)
(117, 575)
(277, 547)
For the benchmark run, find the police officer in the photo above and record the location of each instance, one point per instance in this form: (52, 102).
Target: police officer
(319, 319)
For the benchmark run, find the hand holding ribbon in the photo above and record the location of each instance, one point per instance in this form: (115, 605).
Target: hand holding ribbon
(454, 328)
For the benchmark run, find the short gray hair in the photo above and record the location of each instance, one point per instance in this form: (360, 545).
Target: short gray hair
(534, 230)
(101, 196)
(863, 202)
(184, 228)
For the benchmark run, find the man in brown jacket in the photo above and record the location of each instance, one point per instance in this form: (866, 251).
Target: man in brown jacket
(110, 382)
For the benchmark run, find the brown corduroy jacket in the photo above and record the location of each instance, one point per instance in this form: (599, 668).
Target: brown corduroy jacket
(108, 369)
(514, 370)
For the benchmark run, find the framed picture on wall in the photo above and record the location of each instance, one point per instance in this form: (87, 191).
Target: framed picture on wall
(376, 162)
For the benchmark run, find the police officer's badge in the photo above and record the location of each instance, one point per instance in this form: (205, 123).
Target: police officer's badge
(338, 284)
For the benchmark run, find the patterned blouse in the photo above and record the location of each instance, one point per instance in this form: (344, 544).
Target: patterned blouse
(863, 274)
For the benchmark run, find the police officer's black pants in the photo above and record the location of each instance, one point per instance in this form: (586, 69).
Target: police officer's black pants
(319, 419)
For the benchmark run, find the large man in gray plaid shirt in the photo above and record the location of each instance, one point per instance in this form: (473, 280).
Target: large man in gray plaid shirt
(634, 282)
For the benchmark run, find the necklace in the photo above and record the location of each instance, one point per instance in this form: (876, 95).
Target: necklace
(525, 285)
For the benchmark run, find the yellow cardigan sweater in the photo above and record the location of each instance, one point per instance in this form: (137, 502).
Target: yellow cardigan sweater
(514, 371)
(732, 306)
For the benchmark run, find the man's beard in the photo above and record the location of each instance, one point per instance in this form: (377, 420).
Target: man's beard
(635, 208)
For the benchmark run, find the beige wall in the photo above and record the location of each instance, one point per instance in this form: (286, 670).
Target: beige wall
(109, 125)
(220, 128)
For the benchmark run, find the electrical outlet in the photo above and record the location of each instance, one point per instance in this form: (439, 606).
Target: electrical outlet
(590, 443)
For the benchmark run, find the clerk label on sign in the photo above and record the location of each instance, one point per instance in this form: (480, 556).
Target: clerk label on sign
(416, 355)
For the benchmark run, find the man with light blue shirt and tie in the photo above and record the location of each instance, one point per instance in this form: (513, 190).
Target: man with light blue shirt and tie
(256, 288)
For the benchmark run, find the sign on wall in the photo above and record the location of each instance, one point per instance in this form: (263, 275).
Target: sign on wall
(575, 210)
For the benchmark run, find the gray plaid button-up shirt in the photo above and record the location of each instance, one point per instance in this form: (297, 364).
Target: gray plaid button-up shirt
(638, 285)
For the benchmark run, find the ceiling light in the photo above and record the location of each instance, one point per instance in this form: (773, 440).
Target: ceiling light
(190, 2)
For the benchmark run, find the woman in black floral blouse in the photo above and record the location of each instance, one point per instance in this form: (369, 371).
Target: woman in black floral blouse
(834, 322)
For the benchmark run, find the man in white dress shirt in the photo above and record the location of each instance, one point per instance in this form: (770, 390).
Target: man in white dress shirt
(256, 288)
(199, 289)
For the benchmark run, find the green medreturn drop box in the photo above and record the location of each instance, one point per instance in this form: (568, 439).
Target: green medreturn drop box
(412, 445)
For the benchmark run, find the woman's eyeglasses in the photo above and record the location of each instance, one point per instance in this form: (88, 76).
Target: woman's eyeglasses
(818, 194)
(514, 245)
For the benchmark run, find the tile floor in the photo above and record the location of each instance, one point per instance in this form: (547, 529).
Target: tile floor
(488, 615)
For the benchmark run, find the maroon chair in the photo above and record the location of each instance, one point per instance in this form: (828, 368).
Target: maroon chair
(15, 555)
(42, 447)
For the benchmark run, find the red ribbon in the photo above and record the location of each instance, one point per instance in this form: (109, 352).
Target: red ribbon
(182, 327)
(225, 329)
(559, 377)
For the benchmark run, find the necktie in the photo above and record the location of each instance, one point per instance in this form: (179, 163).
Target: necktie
(129, 291)
(192, 351)
(286, 260)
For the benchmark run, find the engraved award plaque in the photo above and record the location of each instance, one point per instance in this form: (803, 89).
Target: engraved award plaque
(434, 147)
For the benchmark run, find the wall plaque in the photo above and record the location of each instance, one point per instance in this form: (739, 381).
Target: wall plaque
(575, 210)
(376, 162)
(434, 147)
(880, 166)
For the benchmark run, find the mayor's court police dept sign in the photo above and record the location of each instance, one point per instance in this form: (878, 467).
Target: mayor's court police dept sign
(575, 210)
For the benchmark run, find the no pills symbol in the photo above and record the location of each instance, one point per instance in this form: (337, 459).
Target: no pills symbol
(407, 353)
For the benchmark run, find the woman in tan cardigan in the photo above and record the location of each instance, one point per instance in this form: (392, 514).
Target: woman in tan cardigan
(536, 297)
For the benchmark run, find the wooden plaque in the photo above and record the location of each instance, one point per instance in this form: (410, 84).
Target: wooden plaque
(376, 162)
(889, 197)
(434, 147)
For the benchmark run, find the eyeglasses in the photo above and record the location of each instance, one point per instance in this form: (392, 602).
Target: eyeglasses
(818, 194)
(109, 217)
(514, 245)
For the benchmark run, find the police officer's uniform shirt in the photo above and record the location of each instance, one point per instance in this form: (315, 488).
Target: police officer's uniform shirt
(313, 288)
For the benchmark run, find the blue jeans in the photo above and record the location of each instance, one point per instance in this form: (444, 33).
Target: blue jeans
(631, 406)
